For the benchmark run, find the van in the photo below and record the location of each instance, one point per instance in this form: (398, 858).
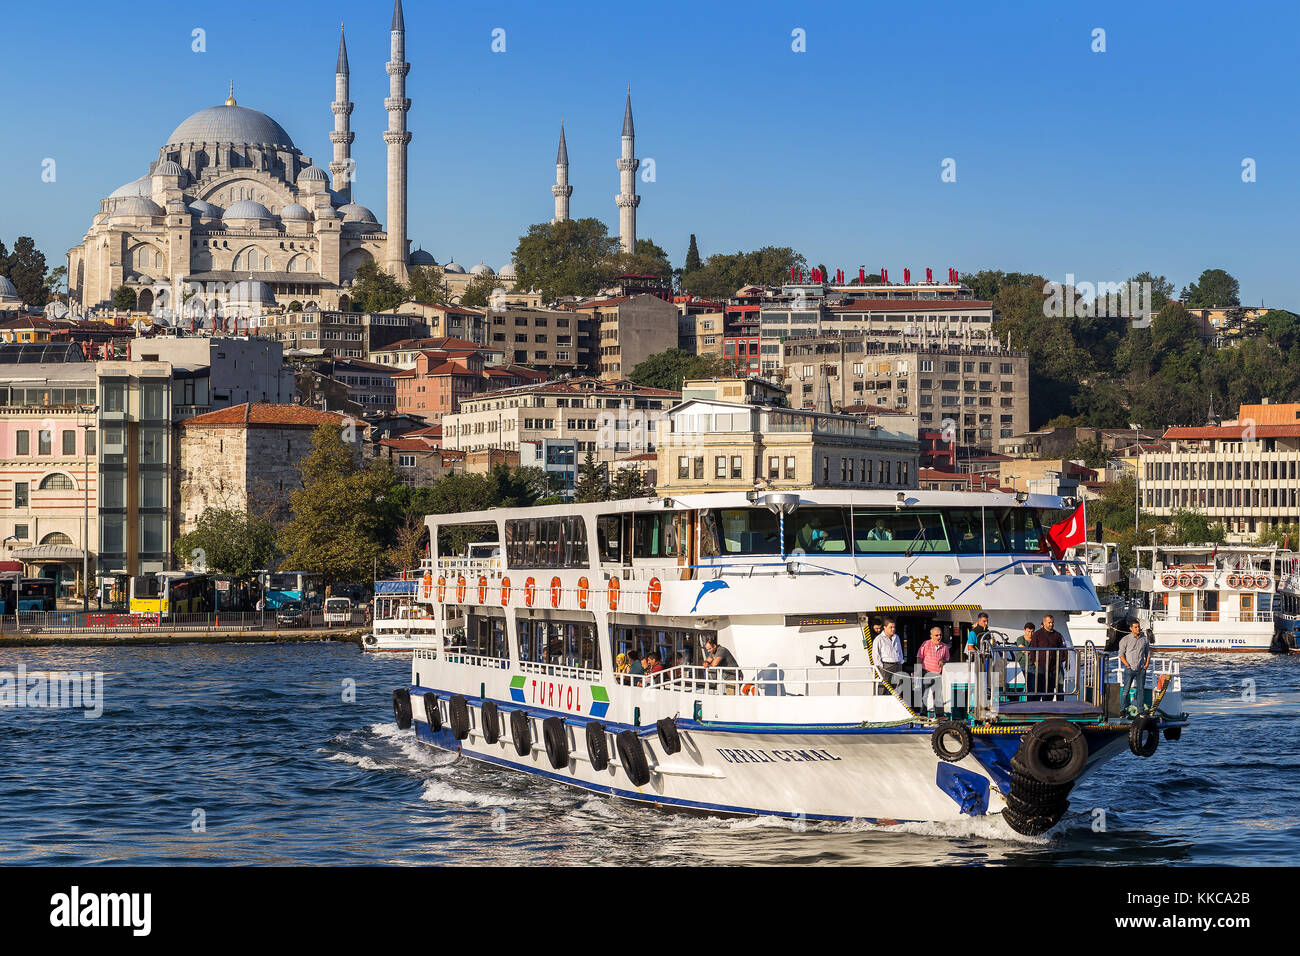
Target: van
(338, 610)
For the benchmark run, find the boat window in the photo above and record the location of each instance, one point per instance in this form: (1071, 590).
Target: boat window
(564, 643)
(609, 535)
(654, 535)
(1021, 530)
(817, 531)
(668, 642)
(881, 531)
(709, 547)
(756, 530)
(559, 542)
(748, 531)
(487, 636)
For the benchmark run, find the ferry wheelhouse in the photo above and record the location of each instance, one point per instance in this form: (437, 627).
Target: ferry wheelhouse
(520, 668)
(1212, 597)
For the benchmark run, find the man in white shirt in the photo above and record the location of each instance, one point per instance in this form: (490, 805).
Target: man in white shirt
(887, 650)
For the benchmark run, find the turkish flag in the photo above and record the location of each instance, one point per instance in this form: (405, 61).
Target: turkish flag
(1070, 532)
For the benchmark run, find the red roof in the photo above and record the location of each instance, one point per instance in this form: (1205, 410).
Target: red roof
(439, 344)
(409, 444)
(264, 414)
(1232, 432)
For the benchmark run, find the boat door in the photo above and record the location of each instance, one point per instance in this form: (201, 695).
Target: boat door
(684, 522)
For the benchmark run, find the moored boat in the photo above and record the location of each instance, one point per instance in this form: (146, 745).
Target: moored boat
(399, 624)
(796, 718)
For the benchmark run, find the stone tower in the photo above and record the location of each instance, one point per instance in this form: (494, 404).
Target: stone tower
(562, 190)
(397, 138)
(627, 198)
(342, 136)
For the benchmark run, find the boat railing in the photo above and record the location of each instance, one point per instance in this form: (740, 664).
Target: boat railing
(569, 671)
(770, 680)
(1222, 617)
(1011, 679)
(468, 565)
(1156, 666)
(457, 656)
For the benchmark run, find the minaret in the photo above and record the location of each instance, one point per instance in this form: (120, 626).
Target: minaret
(342, 136)
(562, 190)
(397, 139)
(627, 198)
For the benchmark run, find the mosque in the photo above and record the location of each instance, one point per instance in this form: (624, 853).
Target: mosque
(232, 215)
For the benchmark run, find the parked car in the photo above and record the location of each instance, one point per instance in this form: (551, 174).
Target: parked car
(293, 614)
(338, 610)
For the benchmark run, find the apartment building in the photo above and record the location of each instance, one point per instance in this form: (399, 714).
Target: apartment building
(344, 334)
(627, 330)
(554, 340)
(217, 372)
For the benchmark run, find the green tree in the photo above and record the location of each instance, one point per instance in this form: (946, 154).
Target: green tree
(1162, 290)
(54, 283)
(427, 284)
(1282, 535)
(25, 268)
(649, 260)
(479, 291)
(692, 262)
(593, 480)
(1215, 289)
(573, 257)
(722, 274)
(1189, 526)
(124, 298)
(374, 290)
(229, 541)
(628, 483)
(342, 516)
(670, 368)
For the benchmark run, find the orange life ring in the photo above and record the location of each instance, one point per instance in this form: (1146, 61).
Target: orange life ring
(460, 590)
(1247, 582)
(583, 586)
(613, 594)
(1169, 580)
(1198, 580)
(749, 690)
(1263, 582)
(656, 592)
(505, 591)
(442, 588)
(1184, 580)
(427, 585)
(1234, 581)
(530, 592)
(482, 589)
(556, 590)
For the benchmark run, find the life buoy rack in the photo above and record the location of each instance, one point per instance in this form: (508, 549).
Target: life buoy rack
(1234, 581)
(505, 591)
(1184, 580)
(1169, 581)
(556, 590)
(442, 588)
(530, 591)
(655, 594)
(583, 590)
(427, 585)
(613, 606)
(1264, 582)
(556, 739)
(482, 589)
(460, 590)
(1198, 580)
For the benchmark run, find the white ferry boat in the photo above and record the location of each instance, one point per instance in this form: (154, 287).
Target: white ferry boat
(1209, 597)
(399, 624)
(1105, 626)
(521, 669)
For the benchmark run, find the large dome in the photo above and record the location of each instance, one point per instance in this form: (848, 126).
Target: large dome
(236, 125)
(246, 209)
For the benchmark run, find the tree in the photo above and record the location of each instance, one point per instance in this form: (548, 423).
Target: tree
(409, 539)
(427, 284)
(574, 257)
(692, 262)
(54, 282)
(648, 260)
(342, 515)
(479, 291)
(1162, 290)
(670, 368)
(1279, 534)
(25, 268)
(374, 290)
(230, 541)
(593, 480)
(124, 298)
(722, 274)
(628, 483)
(1215, 289)
(1189, 526)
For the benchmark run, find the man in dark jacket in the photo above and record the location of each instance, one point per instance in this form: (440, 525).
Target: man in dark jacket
(1046, 657)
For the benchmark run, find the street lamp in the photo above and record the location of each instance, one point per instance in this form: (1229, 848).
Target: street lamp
(18, 579)
(1137, 470)
(85, 506)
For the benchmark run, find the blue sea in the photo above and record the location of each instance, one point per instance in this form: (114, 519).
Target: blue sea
(289, 754)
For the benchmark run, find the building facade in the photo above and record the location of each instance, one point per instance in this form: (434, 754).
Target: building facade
(628, 330)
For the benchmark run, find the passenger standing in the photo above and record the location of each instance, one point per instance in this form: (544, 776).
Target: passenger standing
(931, 657)
(1134, 655)
(887, 650)
(977, 634)
(1046, 657)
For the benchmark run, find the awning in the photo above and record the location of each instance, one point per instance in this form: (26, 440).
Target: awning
(50, 552)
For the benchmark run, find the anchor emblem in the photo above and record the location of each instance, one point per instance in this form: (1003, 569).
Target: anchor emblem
(832, 645)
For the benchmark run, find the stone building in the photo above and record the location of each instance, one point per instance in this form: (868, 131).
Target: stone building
(627, 330)
(245, 458)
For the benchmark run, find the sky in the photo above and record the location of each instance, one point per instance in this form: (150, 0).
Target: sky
(1067, 161)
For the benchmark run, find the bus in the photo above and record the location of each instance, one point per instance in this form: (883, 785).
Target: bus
(302, 586)
(25, 594)
(171, 592)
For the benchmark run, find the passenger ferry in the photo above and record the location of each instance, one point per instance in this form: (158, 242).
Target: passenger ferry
(399, 624)
(520, 668)
(1211, 597)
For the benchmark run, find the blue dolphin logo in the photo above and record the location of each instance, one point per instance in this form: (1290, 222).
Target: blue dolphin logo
(709, 587)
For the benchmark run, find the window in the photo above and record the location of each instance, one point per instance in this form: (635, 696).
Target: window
(22, 442)
(69, 443)
(698, 469)
(735, 466)
(684, 467)
(774, 467)
(21, 497)
(547, 542)
(21, 532)
(720, 466)
(45, 441)
(790, 467)
(56, 482)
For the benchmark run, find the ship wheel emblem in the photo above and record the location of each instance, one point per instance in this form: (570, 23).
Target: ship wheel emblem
(921, 587)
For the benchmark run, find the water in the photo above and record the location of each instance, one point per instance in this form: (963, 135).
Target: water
(259, 739)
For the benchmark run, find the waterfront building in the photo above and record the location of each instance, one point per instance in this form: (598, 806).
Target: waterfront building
(627, 330)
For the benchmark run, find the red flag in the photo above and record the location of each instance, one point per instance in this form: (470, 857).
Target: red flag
(1068, 533)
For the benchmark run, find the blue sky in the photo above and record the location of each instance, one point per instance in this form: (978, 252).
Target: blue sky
(1067, 161)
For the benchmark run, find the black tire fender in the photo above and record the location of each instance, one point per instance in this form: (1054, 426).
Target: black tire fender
(402, 708)
(521, 732)
(944, 731)
(668, 735)
(1032, 825)
(458, 716)
(490, 721)
(556, 738)
(597, 745)
(1144, 736)
(631, 756)
(1173, 733)
(1054, 751)
(431, 712)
